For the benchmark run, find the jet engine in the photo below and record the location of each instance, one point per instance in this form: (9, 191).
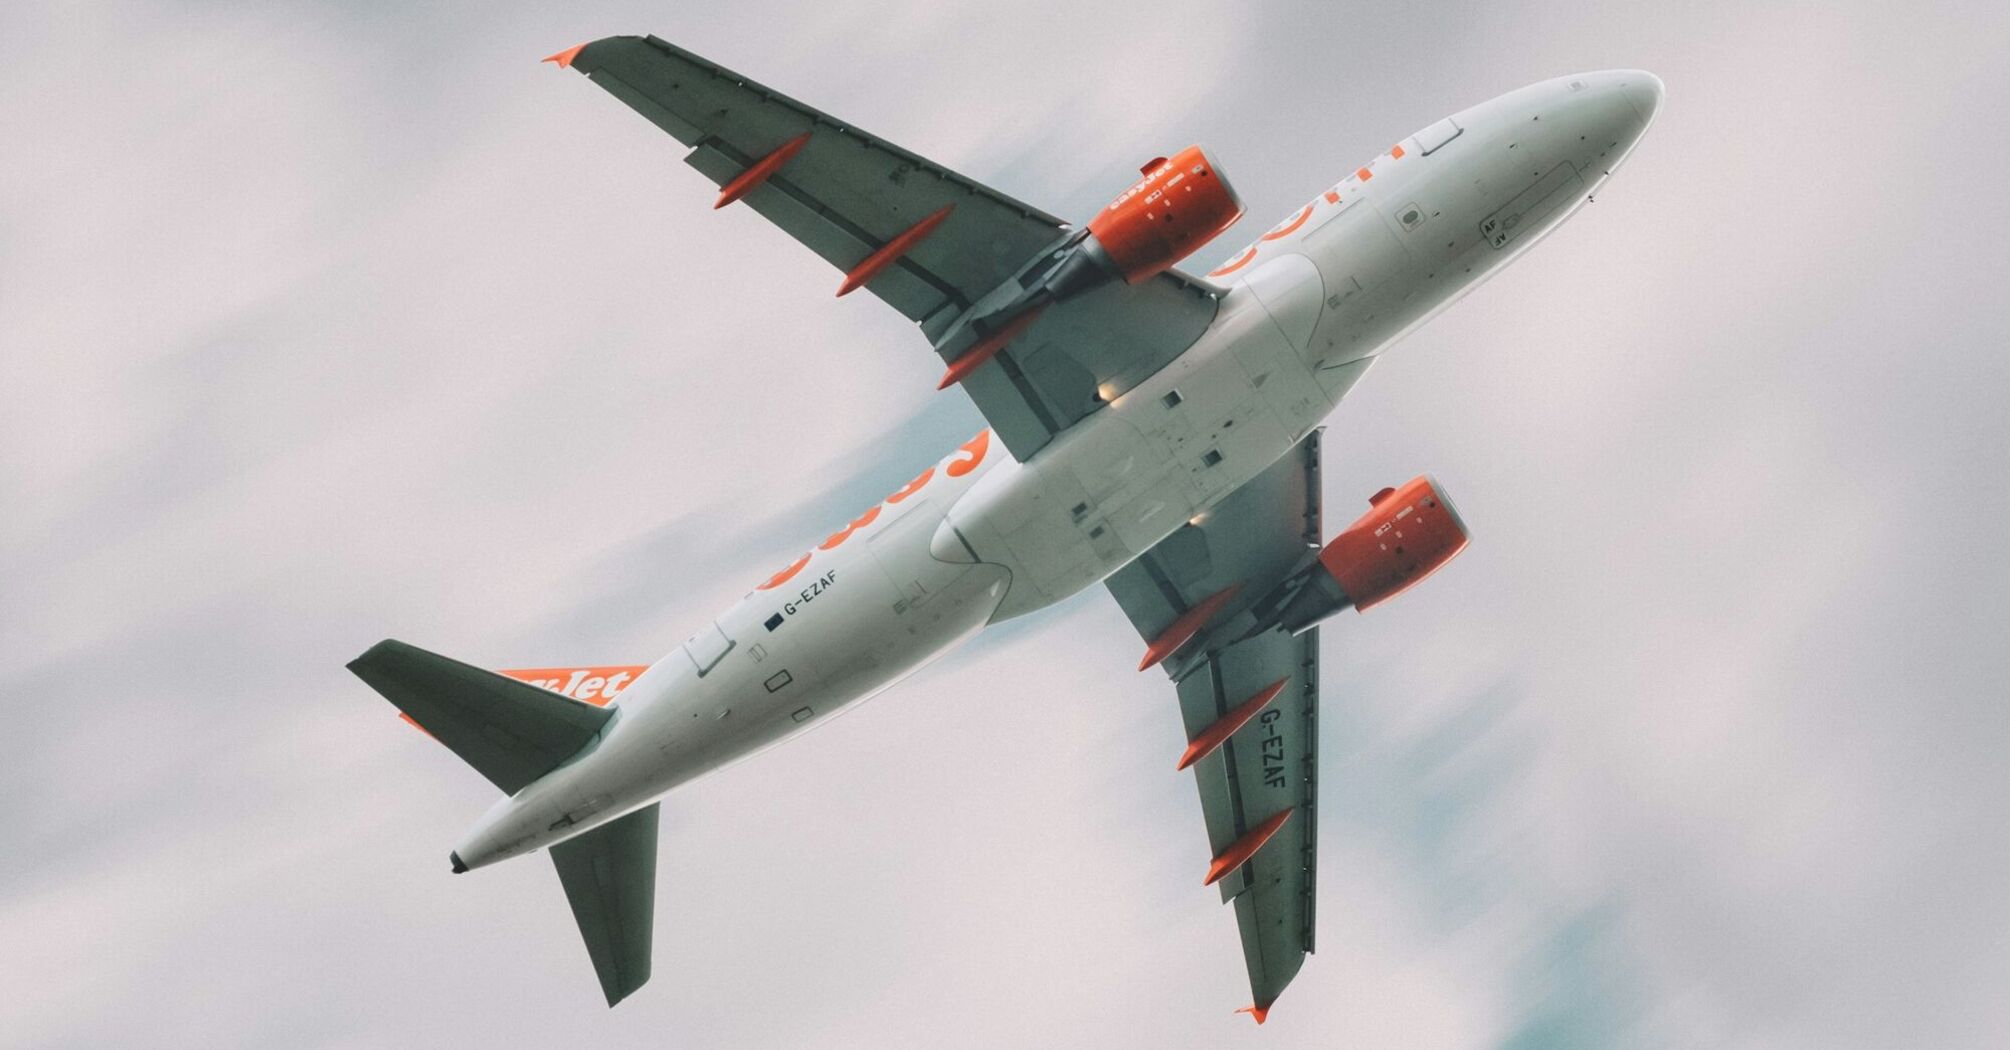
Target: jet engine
(1181, 203)
(1406, 535)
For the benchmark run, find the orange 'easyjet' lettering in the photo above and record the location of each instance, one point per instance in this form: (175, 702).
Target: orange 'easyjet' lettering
(912, 487)
(975, 448)
(783, 576)
(844, 534)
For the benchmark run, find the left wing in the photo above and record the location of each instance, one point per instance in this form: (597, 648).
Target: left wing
(931, 243)
(1250, 705)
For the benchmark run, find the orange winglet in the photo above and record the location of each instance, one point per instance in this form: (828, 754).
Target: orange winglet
(1245, 847)
(987, 348)
(1217, 734)
(564, 58)
(1261, 1013)
(757, 173)
(1189, 624)
(891, 251)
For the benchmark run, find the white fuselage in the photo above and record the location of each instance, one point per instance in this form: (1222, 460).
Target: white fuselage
(980, 538)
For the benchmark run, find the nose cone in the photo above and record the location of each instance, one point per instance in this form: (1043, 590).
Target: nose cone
(1642, 90)
(1612, 109)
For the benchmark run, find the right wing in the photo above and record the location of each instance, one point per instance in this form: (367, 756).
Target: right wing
(846, 195)
(1250, 706)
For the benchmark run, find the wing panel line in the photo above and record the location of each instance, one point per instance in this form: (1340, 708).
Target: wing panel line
(719, 72)
(825, 212)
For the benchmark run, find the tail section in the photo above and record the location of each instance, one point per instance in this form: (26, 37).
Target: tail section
(512, 732)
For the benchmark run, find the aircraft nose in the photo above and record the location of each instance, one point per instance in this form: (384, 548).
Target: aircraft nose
(1642, 90)
(1613, 108)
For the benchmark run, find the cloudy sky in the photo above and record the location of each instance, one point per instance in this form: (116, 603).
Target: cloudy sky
(326, 323)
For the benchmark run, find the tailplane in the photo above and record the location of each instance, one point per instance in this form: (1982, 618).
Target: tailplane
(512, 732)
(610, 880)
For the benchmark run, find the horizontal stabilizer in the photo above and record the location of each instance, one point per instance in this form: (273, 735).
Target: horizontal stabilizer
(512, 732)
(610, 879)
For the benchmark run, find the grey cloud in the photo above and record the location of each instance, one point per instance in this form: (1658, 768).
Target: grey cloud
(336, 323)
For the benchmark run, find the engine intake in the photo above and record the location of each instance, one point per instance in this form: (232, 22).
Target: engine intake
(1407, 534)
(1179, 205)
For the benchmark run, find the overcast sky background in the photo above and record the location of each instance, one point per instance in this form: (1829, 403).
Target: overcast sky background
(326, 323)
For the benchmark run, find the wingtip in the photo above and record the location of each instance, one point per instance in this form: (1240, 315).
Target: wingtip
(564, 58)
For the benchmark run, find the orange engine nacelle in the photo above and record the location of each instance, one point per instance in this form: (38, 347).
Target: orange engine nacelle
(1180, 204)
(1406, 535)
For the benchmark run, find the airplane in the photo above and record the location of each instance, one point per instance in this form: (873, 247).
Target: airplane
(1152, 431)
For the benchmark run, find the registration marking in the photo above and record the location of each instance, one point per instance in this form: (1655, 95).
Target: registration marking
(809, 593)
